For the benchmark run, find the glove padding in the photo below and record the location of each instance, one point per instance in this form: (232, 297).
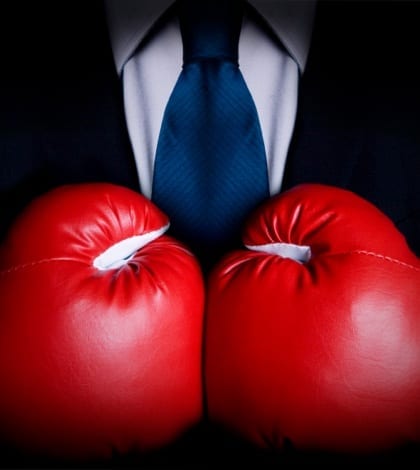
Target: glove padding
(101, 319)
(313, 330)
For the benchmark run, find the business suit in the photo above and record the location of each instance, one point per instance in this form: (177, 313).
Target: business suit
(355, 129)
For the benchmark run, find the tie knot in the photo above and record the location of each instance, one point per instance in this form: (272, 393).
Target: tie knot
(210, 28)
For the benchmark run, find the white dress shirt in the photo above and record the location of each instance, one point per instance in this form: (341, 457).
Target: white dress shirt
(149, 72)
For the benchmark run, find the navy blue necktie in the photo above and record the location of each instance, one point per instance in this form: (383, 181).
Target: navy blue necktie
(210, 168)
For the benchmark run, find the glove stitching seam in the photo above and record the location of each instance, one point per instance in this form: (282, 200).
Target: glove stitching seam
(387, 258)
(35, 263)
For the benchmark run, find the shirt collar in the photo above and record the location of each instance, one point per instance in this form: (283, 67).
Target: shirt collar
(129, 21)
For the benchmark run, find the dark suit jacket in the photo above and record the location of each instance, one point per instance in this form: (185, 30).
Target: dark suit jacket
(358, 123)
(62, 120)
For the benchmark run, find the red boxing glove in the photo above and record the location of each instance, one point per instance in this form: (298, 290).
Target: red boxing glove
(313, 334)
(101, 319)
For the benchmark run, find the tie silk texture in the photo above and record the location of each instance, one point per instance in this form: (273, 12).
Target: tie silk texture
(210, 168)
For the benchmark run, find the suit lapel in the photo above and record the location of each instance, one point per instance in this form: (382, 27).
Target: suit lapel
(87, 137)
(327, 139)
(323, 148)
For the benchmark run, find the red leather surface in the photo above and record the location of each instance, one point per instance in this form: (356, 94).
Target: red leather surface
(323, 355)
(95, 363)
